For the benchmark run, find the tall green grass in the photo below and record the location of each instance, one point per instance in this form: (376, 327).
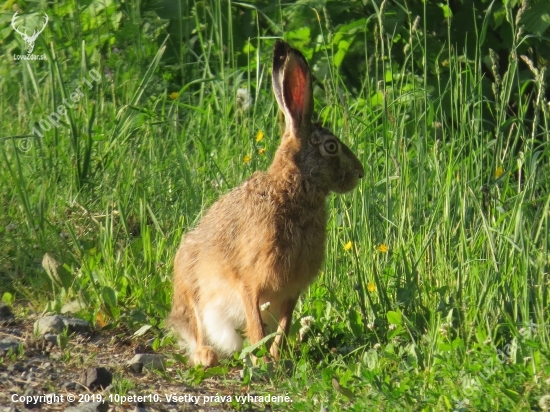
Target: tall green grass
(449, 249)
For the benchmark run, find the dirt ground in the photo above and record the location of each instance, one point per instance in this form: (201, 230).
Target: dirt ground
(40, 375)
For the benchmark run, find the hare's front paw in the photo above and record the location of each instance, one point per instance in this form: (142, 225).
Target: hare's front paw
(205, 356)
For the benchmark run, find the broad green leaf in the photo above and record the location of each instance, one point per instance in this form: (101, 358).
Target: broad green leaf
(7, 298)
(394, 318)
(249, 349)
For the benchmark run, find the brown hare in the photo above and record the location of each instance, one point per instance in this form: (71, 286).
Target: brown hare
(264, 241)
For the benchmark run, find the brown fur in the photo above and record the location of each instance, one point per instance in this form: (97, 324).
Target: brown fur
(263, 241)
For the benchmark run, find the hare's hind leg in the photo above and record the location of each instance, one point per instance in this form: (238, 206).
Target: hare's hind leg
(185, 318)
(182, 322)
(186, 323)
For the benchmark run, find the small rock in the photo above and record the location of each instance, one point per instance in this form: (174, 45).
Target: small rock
(136, 367)
(68, 385)
(16, 367)
(89, 407)
(6, 344)
(51, 338)
(76, 324)
(56, 324)
(140, 407)
(14, 332)
(5, 310)
(147, 361)
(31, 403)
(96, 377)
(49, 324)
(6, 316)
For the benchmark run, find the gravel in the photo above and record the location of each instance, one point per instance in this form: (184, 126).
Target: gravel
(108, 366)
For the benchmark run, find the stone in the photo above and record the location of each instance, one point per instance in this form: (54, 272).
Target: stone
(89, 407)
(140, 407)
(136, 367)
(51, 338)
(69, 385)
(48, 325)
(31, 403)
(55, 324)
(7, 344)
(6, 316)
(95, 378)
(16, 367)
(147, 361)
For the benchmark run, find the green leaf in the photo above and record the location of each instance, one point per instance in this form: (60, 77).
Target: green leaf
(513, 395)
(394, 317)
(300, 38)
(349, 30)
(447, 12)
(536, 18)
(249, 349)
(110, 300)
(356, 322)
(327, 374)
(343, 47)
(457, 343)
(59, 276)
(109, 296)
(377, 99)
(216, 371)
(342, 389)
(141, 331)
(178, 357)
(7, 298)
(486, 23)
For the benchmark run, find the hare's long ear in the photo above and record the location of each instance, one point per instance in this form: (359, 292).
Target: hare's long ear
(292, 87)
(280, 53)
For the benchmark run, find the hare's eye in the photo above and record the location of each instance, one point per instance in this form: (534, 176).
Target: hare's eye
(331, 147)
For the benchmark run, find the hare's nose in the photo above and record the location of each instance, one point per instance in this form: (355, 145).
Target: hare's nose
(360, 171)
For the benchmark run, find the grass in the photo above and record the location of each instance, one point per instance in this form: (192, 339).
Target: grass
(440, 301)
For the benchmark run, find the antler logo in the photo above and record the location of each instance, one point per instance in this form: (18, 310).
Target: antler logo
(29, 40)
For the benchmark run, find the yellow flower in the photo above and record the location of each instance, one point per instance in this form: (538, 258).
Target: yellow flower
(173, 95)
(348, 245)
(246, 159)
(499, 172)
(261, 151)
(383, 248)
(371, 287)
(259, 136)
